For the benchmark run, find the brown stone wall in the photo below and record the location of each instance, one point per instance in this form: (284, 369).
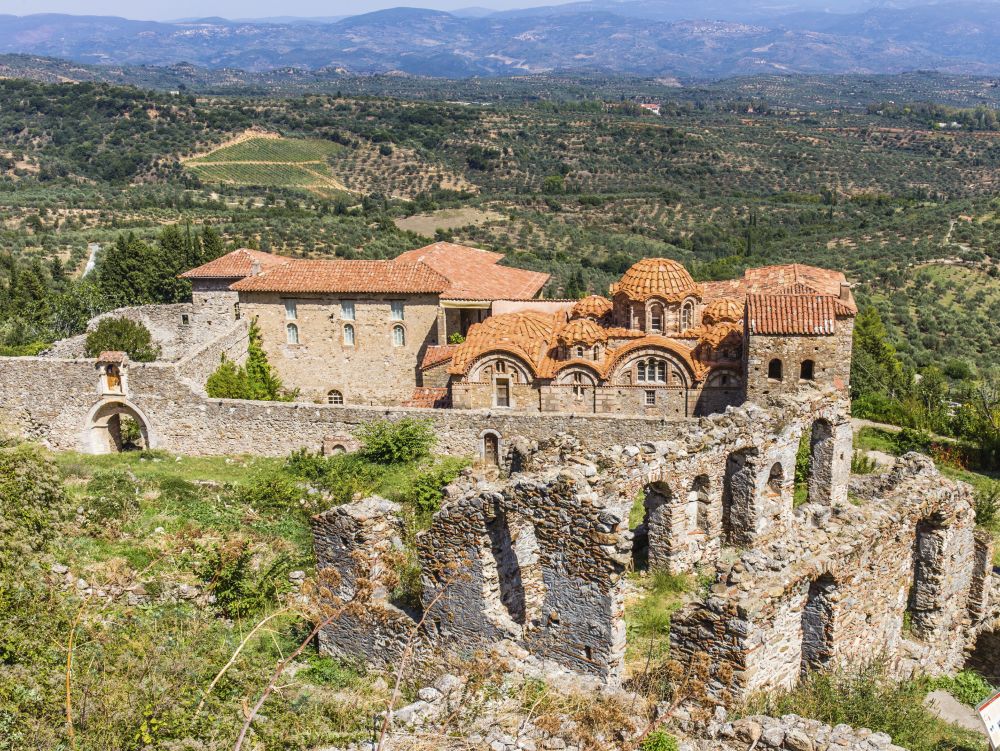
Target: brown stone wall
(214, 305)
(372, 371)
(831, 355)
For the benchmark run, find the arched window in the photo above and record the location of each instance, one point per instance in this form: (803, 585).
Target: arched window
(774, 369)
(776, 478)
(597, 351)
(807, 371)
(687, 316)
(334, 397)
(501, 366)
(651, 371)
(656, 318)
(578, 385)
(641, 371)
(349, 335)
(579, 351)
(398, 336)
(292, 332)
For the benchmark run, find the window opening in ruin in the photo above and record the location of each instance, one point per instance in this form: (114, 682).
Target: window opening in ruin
(739, 508)
(687, 316)
(291, 310)
(774, 370)
(701, 499)
(236, 311)
(985, 656)
(503, 392)
(807, 370)
(491, 449)
(185, 319)
(398, 336)
(515, 552)
(923, 601)
(293, 333)
(776, 478)
(347, 310)
(588, 653)
(334, 397)
(397, 308)
(349, 335)
(817, 624)
(657, 502)
(650, 398)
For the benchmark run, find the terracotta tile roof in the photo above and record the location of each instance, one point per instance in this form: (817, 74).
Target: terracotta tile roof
(437, 354)
(346, 276)
(725, 288)
(581, 331)
(722, 309)
(429, 398)
(474, 274)
(113, 356)
(593, 306)
(657, 277)
(236, 265)
(526, 335)
(792, 278)
(808, 315)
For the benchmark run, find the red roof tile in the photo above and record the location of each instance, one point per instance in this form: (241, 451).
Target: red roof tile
(474, 274)
(808, 315)
(236, 265)
(321, 276)
(437, 354)
(429, 398)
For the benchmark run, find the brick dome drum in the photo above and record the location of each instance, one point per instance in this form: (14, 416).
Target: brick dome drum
(657, 277)
(723, 309)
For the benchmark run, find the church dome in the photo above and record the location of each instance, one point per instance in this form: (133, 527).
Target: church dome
(657, 277)
(581, 331)
(593, 306)
(722, 309)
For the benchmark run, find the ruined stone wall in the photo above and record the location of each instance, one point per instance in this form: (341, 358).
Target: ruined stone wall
(214, 304)
(372, 370)
(847, 584)
(172, 328)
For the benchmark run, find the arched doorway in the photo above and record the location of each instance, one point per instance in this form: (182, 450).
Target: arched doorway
(817, 624)
(117, 426)
(491, 448)
(739, 498)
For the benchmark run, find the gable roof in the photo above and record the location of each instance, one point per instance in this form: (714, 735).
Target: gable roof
(804, 314)
(792, 278)
(475, 274)
(236, 265)
(319, 276)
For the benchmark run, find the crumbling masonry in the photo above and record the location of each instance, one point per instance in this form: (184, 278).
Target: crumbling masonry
(888, 566)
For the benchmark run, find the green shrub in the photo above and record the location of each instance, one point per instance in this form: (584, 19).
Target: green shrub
(330, 672)
(31, 502)
(659, 740)
(911, 439)
(968, 686)
(396, 442)
(987, 504)
(868, 698)
(122, 335)
(455, 338)
(255, 379)
(428, 488)
(240, 590)
(273, 491)
(113, 495)
(862, 464)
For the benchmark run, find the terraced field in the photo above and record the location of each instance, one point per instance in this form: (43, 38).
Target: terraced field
(271, 161)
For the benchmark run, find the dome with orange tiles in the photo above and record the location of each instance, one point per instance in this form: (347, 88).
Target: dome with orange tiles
(594, 306)
(581, 331)
(657, 277)
(523, 334)
(722, 309)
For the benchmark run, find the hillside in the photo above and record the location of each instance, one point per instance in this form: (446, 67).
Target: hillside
(637, 38)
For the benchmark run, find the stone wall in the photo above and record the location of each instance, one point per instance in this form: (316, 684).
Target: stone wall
(372, 370)
(894, 576)
(172, 328)
(831, 357)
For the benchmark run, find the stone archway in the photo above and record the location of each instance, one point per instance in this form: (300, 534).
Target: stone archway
(106, 428)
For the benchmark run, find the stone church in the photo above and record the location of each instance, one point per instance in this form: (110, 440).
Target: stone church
(448, 326)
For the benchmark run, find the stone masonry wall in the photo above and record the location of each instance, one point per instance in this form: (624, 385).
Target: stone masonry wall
(830, 354)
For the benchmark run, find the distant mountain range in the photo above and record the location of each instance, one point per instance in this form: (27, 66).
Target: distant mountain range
(710, 39)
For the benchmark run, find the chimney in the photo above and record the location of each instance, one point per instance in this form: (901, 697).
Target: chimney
(845, 291)
(255, 269)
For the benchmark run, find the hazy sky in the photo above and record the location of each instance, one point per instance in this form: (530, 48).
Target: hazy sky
(170, 9)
